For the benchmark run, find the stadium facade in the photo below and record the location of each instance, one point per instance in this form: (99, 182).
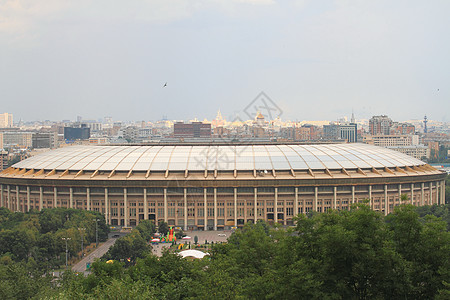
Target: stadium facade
(217, 187)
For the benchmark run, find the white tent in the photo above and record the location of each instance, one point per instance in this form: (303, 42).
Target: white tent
(192, 253)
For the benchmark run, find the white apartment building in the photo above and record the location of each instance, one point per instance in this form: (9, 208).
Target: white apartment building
(6, 120)
(416, 151)
(392, 140)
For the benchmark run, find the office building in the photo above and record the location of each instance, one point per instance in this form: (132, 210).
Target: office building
(191, 130)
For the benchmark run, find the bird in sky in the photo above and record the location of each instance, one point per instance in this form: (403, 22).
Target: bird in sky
(165, 84)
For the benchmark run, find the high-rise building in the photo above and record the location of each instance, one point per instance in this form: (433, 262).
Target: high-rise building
(380, 125)
(6, 120)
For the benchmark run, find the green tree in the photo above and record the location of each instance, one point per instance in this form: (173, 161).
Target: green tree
(128, 248)
(146, 228)
(163, 228)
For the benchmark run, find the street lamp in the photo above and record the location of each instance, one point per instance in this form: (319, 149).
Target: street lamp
(67, 251)
(96, 232)
(82, 239)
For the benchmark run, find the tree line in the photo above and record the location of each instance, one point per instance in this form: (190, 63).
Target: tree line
(38, 235)
(356, 254)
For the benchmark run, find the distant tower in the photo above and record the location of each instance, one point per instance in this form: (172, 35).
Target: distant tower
(425, 121)
(353, 118)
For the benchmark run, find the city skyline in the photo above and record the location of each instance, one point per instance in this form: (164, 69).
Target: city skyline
(99, 59)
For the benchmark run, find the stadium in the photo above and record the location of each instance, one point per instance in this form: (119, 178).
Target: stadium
(217, 187)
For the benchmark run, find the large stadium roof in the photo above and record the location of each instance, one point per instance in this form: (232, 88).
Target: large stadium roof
(173, 158)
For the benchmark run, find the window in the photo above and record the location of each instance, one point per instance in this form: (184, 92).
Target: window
(260, 212)
(200, 212)
(250, 212)
(180, 212)
(240, 212)
(160, 212)
(221, 212)
(171, 212)
(210, 212)
(230, 212)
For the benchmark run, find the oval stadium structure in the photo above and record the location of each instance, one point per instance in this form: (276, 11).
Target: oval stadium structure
(215, 187)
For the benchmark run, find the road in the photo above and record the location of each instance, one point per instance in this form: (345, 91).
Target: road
(97, 253)
(203, 236)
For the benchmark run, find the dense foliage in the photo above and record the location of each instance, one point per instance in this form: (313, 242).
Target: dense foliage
(134, 245)
(38, 235)
(357, 254)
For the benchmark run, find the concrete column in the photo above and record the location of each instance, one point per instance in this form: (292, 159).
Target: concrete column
(71, 197)
(1, 196)
(443, 192)
(215, 208)
(438, 192)
(55, 197)
(275, 207)
(125, 206)
(107, 214)
(316, 196)
(165, 205)
(145, 205)
(28, 198)
(430, 194)
(9, 196)
(296, 201)
(17, 198)
(399, 194)
(88, 198)
(334, 197)
(386, 200)
(41, 198)
(370, 196)
(235, 207)
(353, 194)
(422, 194)
(256, 205)
(412, 194)
(205, 208)
(185, 210)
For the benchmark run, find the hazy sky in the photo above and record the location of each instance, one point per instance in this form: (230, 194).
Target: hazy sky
(314, 59)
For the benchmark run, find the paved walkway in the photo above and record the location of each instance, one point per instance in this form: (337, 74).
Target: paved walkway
(97, 253)
(203, 236)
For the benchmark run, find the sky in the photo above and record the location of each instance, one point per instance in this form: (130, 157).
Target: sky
(315, 60)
